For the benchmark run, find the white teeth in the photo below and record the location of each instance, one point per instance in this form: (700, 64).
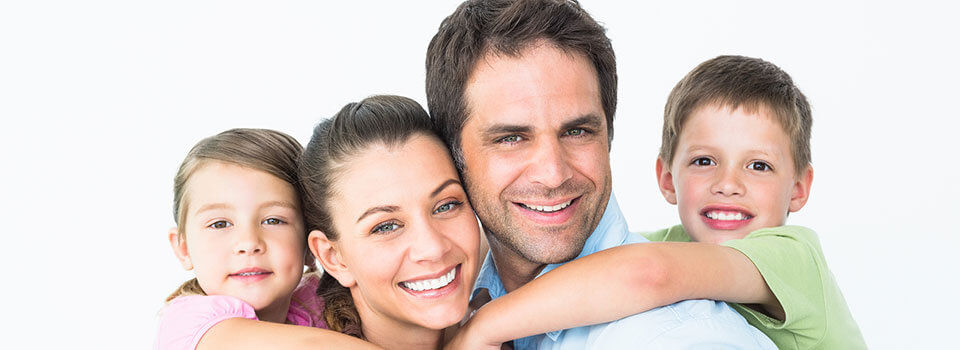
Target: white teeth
(249, 273)
(435, 283)
(548, 208)
(726, 216)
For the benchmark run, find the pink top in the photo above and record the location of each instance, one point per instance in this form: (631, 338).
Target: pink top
(185, 319)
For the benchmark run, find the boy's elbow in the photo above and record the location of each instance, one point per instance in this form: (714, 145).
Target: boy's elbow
(651, 275)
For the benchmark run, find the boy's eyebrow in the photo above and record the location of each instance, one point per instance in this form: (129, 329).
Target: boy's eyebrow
(213, 206)
(379, 209)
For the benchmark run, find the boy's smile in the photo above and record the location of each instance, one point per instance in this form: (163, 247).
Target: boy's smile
(732, 174)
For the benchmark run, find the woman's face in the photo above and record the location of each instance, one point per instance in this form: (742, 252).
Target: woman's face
(408, 237)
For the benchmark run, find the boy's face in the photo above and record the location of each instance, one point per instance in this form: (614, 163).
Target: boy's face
(732, 173)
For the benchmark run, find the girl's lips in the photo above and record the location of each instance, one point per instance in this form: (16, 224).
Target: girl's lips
(250, 275)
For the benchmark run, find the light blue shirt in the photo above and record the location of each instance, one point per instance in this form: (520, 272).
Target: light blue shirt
(690, 324)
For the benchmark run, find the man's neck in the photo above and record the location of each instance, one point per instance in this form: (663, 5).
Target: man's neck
(514, 269)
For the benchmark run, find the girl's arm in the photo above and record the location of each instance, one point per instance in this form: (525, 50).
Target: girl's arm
(615, 283)
(242, 333)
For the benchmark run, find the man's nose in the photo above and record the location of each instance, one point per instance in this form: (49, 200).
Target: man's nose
(548, 164)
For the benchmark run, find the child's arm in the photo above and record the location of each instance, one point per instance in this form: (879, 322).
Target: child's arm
(615, 283)
(242, 333)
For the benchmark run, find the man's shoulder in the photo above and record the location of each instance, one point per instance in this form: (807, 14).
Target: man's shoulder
(688, 323)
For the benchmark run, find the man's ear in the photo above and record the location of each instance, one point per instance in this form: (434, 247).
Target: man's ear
(665, 181)
(329, 257)
(179, 247)
(801, 189)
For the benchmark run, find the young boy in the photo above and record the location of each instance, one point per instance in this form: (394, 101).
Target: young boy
(735, 159)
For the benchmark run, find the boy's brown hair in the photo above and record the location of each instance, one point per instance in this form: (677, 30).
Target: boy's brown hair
(739, 81)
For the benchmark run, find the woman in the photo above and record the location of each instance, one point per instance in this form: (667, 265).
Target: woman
(390, 223)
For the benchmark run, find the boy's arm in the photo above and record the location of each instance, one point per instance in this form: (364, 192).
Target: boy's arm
(242, 333)
(618, 282)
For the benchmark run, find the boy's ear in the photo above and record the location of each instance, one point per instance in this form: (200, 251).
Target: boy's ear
(179, 248)
(330, 258)
(801, 189)
(665, 181)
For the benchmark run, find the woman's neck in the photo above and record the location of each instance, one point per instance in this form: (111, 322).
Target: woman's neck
(389, 333)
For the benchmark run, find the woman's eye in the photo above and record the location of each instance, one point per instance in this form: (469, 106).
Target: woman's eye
(760, 166)
(447, 207)
(386, 227)
(272, 221)
(220, 224)
(704, 161)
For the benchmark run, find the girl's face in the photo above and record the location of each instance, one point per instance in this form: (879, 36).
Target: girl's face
(244, 236)
(409, 241)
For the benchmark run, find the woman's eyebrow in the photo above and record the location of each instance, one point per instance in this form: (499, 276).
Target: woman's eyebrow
(382, 208)
(444, 185)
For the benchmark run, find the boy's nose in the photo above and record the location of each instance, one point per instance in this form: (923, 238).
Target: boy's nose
(728, 183)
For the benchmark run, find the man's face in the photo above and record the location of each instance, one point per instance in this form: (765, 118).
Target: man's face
(536, 153)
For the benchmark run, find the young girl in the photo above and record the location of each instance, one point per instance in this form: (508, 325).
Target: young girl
(240, 229)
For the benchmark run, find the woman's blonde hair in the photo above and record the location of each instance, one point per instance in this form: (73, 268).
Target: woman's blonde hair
(266, 150)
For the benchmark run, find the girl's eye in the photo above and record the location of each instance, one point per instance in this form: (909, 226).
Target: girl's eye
(447, 207)
(703, 161)
(510, 139)
(386, 227)
(272, 221)
(759, 166)
(220, 224)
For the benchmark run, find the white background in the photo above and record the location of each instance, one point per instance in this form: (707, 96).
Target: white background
(100, 101)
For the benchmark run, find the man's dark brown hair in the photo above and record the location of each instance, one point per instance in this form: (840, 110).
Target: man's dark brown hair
(502, 27)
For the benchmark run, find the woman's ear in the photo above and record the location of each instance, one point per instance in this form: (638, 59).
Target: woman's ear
(329, 257)
(179, 247)
(665, 182)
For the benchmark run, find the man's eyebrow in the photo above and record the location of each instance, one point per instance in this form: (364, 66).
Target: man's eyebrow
(592, 121)
(499, 129)
(444, 185)
(379, 209)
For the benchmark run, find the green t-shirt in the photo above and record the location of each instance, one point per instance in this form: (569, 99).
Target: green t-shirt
(791, 262)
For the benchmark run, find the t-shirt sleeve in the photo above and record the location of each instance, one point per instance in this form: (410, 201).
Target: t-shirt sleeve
(790, 261)
(184, 321)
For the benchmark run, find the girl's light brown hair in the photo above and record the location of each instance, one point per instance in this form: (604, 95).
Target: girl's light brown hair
(266, 150)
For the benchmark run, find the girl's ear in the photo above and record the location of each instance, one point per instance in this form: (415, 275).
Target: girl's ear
(801, 189)
(179, 247)
(665, 182)
(329, 257)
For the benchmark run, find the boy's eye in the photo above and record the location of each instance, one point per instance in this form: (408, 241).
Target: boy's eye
(272, 221)
(220, 224)
(704, 161)
(759, 166)
(447, 207)
(386, 227)
(510, 139)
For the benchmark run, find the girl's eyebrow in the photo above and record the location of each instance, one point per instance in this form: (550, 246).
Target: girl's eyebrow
(284, 204)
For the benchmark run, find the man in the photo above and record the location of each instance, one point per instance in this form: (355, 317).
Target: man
(524, 93)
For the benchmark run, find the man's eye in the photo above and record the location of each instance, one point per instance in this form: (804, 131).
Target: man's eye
(576, 132)
(703, 161)
(220, 224)
(272, 221)
(510, 139)
(447, 207)
(760, 166)
(386, 227)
